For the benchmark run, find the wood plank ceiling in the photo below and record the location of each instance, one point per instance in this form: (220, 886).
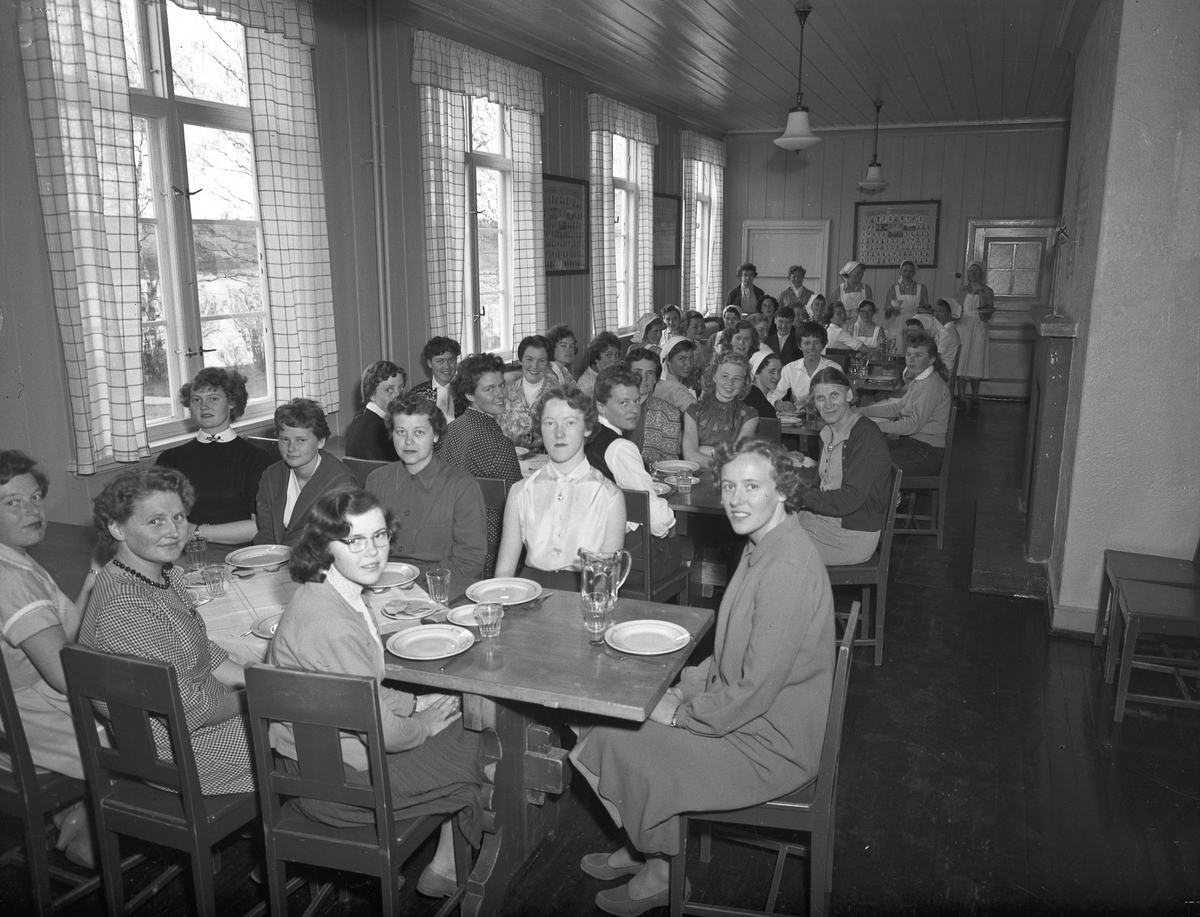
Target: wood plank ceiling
(730, 65)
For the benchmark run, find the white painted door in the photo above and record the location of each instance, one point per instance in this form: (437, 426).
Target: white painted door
(775, 245)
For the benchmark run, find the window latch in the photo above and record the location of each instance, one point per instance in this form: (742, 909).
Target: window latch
(179, 192)
(196, 353)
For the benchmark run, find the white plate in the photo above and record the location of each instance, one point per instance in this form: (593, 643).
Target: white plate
(647, 637)
(259, 555)
(430, 641)
(396, 573)
(410, 609)
(194, 580)
(523, 452)
(676, 466)
(662, 489)
(511, 590)
(463, 615)
(790, 418)
(265, 626)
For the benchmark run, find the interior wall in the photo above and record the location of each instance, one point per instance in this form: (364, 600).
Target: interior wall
(1129, 480)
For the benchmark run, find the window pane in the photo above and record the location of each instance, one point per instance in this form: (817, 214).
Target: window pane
(149, 274)
(220, 166)
(131, 27)
(207, 56)
(487, 217)
(143, 167)
(620, 157)
(238, 343)
(491, 329)
(156, 368)
(487, 135)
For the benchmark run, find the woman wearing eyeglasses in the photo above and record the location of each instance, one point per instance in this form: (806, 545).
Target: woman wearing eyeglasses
(327, 627)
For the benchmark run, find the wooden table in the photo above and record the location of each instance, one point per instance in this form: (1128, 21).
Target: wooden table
(542, 659)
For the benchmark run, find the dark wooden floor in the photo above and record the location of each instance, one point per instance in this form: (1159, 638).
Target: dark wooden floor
(981, 770)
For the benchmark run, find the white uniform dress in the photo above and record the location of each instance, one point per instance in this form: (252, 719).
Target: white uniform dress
(973, 335)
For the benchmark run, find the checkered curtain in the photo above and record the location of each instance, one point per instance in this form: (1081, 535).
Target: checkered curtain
(607, 117)
(78, 89)
(291, 200)
(449, 74)
(289, 18)
(698, 151)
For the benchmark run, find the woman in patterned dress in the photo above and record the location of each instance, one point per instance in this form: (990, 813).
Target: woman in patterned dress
(721, 415)
(525, 389)
(562, 339)
(140, 607)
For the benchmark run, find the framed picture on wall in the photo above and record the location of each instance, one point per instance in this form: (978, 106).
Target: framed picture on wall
(886, 234)
(666, 230)
(566, 230)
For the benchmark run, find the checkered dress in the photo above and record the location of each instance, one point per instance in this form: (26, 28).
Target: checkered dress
(130, 618)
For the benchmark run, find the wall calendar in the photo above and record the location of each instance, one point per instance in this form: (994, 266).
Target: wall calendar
(886, 234)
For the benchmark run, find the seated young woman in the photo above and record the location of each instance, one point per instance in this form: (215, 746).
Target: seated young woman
(441, 359)
(721, 415)
(765, 369)
(566, 504)
(617, 458)
(525, 389)
(304, 472)
(37, 621)
(917, 420)
(658, 432)
(845, 516)
(367, 437)
(140, 607)
(741, 338)
(223, 468)
(433, 763)
(439, 506)
(602, 352)
(795, 381)
(744, 726)
(565, 345)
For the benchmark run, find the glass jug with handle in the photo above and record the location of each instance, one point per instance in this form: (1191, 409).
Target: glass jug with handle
(604, 573)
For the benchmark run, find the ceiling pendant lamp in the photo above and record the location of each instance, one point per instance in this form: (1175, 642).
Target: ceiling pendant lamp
(874, 182)
(798, 134)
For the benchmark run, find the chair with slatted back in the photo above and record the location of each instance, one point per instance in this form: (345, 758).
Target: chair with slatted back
(32, 796)
(320, 708)
(134, 792)
(643, 582)
(809, 810)
(872, 575)
(363, 467)
(1143, 568)
(495, 496)
(768, 429)
(936, 485)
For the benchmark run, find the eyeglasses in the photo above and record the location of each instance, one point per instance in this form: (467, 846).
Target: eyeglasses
(358, 543)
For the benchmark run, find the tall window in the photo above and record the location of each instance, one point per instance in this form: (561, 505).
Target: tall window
(702, 245)
(489, 281)
(703, 193)
(625, 230)
(200, 238)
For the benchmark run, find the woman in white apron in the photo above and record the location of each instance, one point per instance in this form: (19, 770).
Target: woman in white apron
(977, 303)
(903, 300)
(866, 329)
(851, 290)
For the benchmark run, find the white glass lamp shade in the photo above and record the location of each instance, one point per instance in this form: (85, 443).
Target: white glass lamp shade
(874, 181)
(798, 134)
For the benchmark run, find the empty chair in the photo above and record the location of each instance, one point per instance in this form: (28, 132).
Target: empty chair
(134, 792)
(318, 708)
(809, 809)
(362, 468)
(936, 485)
(768, 429)
(495, 495)
(644, 581)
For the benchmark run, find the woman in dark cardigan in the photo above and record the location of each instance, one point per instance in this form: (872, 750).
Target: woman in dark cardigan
(368, 437)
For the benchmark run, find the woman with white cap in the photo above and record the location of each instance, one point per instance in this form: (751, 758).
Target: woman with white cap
(978, 303)
(649, 332)
(851, 290)
(677, 355)
(904, 298)
(765, 370)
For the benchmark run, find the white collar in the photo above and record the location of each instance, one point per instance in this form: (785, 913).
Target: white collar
(376, 409)
(438, 387)
(350, 591)
(924, 375)
(227, 435)
(604, 420)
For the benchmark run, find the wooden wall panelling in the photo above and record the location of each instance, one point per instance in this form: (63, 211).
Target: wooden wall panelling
(668, 179)
(565, 152)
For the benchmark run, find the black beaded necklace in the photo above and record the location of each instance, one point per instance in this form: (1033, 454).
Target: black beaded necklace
(145, 579)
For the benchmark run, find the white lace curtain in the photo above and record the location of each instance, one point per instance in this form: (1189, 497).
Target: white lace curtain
(607, 117)
(700, 152)
(78, 89)
(450, 74)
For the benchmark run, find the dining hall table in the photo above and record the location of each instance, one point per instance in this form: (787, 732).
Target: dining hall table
(518, 688)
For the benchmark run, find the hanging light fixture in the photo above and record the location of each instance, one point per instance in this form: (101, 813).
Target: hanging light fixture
(873, 183)
(798, 134)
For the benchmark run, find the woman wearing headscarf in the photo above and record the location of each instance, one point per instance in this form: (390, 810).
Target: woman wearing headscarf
(904, 298)
(850, 289)
(978, 303)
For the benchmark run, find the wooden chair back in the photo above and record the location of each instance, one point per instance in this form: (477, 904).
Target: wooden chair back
(938, 485)
(495, 497)
(644, 582)
(268, 444)
(363, 467)
(768, 429)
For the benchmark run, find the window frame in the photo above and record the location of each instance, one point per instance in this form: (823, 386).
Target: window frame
(502, 163)
(702, 243)
(627, 306)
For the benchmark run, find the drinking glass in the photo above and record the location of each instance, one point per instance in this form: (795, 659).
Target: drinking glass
(489, 616)
(216, 579)
(439, 585)
(683, 483)
(195, 549)
(597, 614)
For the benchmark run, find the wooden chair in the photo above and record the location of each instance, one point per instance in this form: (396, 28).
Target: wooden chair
(645, 583)
(495, 496)
(1146, 568)
(872, 575)
(31, 796)
(809, 809)
(320, 708)
(268, 444)
(936, 485)
(173, 812)
(363, 467)
(768, 429)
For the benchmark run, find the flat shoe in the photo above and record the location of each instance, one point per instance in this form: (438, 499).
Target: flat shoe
(617, 901)
(596, 866)
(434, 885)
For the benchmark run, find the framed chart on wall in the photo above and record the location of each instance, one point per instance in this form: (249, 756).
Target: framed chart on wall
(666, 230)
(886, 234)
(565, 224)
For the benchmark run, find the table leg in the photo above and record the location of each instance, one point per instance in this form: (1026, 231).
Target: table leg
(1116, 624)
(520, 815)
